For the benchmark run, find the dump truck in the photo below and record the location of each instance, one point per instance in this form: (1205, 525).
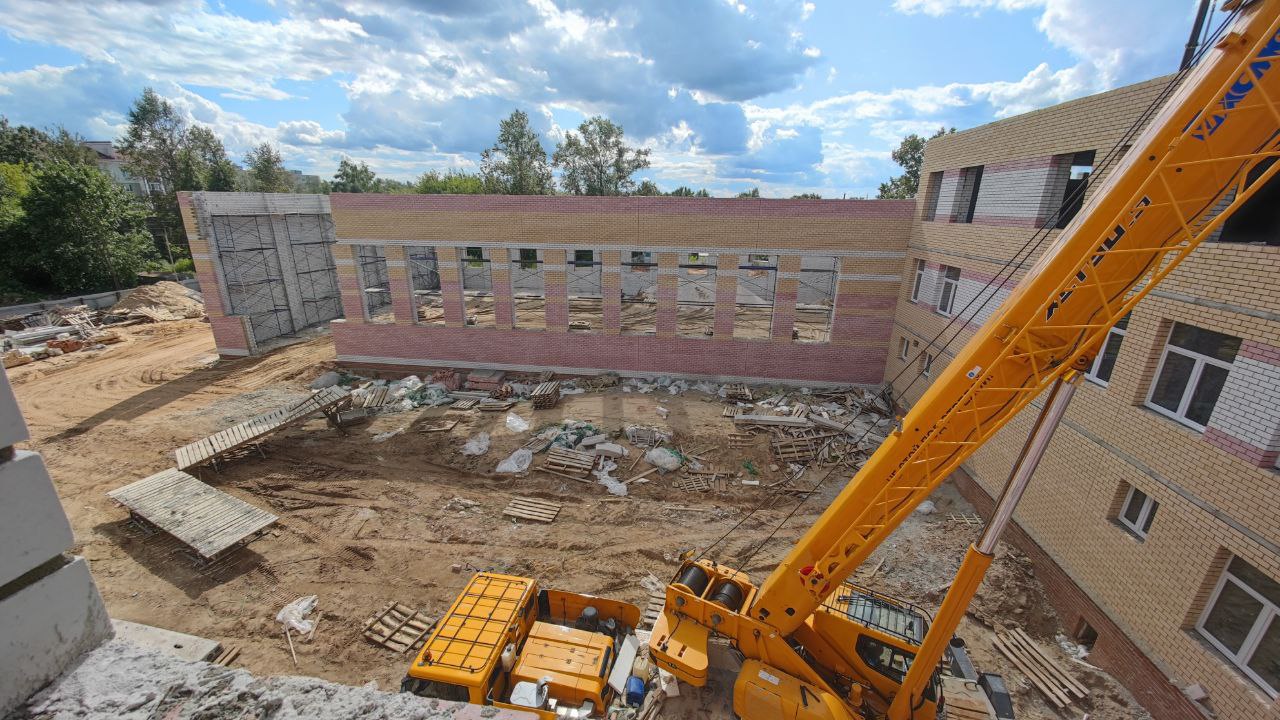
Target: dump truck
(508, 643)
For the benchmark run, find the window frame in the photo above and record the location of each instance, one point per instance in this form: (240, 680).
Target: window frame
(945, 282)
(921, 266)
(1261, 624)
(1193, 381)
(904, 348)
(927, 370)
(1146, 514)
(1092, 373)
(971, 199)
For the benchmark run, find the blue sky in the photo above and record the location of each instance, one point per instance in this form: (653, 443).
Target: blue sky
(790, 96)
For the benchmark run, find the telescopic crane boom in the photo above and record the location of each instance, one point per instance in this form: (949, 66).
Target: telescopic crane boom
(811, 647)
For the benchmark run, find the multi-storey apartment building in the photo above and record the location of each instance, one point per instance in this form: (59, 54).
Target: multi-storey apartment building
(1154, 519)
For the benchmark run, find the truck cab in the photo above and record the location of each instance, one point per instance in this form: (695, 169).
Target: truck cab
(508, 643)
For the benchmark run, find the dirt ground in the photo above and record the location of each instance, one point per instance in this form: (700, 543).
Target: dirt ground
(364, 522)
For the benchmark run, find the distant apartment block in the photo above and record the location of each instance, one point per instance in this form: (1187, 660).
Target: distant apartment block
(111, 162)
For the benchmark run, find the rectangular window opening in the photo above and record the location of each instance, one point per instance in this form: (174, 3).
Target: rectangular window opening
(586, 301)
(1085, 635)
(1137, 512)
(640, 293)
(1105, 362)
(753, 304)
(528, 289)
(970, 186)
(424, 274)
(477, 288)
(815, 299)
(1078, 174)
(1192, 372)
(904, 348)
(696, 295)
(374, 284)
(1257, 220)
(918, 281)
(1240, 621)
(931, 191)
(926, 365)
(948, 287)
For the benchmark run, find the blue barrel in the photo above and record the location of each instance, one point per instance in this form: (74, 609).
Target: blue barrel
(635, 691)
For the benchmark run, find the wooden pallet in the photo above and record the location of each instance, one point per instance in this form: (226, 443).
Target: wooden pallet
(730, 411)
(969, 519)
(537, 444)
(533, 509)
(545, 395)
(492, 405)
(644, 437)
(374, 398)
(1058, 686)
(226, 656)
(397, 627)
(438, 427)
(694, 483)
(210, 448)
(652, 610)
(464, 404)
(739, 440)
(569, 462)
(738, 392)
(801, 449)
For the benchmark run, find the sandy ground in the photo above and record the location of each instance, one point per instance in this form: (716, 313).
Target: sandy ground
(365, 522)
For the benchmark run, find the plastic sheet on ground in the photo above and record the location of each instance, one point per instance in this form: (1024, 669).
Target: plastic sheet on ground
(610, 483)
(294, 615)
(515, 423)
(516, 462)
(664, 458)
(477, 444)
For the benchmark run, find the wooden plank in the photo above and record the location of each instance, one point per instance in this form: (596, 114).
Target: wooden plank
(1028, 667)
(772, 420)
(533, 509)
(1057, 670)
(566, 476)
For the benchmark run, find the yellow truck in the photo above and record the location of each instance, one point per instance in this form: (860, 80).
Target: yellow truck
(507, 643)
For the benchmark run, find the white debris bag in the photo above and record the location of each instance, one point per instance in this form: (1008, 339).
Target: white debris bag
(664, 458)
(515, 423)
(477, 444)
(926, 508)
(293, 615)
(516, 462)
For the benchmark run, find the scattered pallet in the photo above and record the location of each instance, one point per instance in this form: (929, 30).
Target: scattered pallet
(739, 440)
(1055, 683)
(464, 404)
(644, 436)
(800, 449)
(533, 509)
(494, 405)
(695, 483)
(738, 392)
(374, 397)
(226, 656)
(652, 609)
(397, 627)
(546, 395)
(569, 462)
(537, 444)
(969, 519)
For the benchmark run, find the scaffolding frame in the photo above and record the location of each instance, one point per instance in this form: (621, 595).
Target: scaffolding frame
(528, 289)
(758, 278)
(313, 265)
(424, 281)
(696, 279)
(375, 284)
(639, 291)
(253, 275)
(585, 290)
(477, 285)
(820, 282)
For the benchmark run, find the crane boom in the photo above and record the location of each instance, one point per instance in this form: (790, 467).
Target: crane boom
(1210, 147)
(1180, 180)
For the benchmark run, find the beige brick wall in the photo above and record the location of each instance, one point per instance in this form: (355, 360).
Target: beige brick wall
(1212, 503)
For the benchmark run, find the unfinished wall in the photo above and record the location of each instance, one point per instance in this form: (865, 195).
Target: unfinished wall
(50, 610)
(1214, 487)
(265, 264)
(751, 289)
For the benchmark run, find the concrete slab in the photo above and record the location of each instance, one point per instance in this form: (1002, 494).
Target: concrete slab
(13, 429)
(122, 681)
(35, 527)
(44, 627)
(179, 645)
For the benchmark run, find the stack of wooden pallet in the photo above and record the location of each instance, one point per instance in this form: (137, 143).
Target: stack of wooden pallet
(569, 463)
(487, 380)
(397, 627)
(494, 405)
(546, 395)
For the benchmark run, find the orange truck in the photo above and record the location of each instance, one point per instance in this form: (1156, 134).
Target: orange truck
(506, 642)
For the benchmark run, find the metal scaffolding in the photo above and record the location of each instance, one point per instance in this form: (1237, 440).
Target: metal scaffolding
(310, 242)
(250, 262)
(815, 299)
(696, 295)
(528, 288)
(639, 292)
(754, 300)
(424, 275)
(583, 285)
(371, 263)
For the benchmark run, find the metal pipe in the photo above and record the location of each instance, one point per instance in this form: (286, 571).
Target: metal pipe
(1193, 42)
(1037, 442)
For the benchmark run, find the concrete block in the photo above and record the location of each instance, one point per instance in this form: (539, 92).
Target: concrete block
(613, 450)
(45, 627)
(13, 429)
(35, 527)
(592, 441)
(179, 645)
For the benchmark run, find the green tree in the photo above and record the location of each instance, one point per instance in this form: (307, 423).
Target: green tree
(807, 196)
(206, 158)
(596, 161)
(686, 191)
(453, 182)
(752, 193)
(353, 177)
(266, 170)
(648, 188)
(79, 232)
(27, 145)
(516, 164)
(909, 155)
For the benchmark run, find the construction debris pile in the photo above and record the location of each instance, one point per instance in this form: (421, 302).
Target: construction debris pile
(50, 333)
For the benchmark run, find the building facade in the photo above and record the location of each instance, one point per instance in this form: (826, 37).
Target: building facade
(111, 162)
(1153, 520)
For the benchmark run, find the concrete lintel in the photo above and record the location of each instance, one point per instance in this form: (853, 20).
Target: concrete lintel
(35, 527)
(169, 642)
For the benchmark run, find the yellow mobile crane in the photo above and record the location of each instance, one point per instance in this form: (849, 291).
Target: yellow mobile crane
(817, 647)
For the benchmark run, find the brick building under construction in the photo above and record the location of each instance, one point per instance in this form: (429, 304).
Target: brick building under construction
(1151, 519)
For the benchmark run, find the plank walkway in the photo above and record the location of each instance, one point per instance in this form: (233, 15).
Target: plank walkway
(533, 509)
(398, 627)
(201, 517)
(209, 449)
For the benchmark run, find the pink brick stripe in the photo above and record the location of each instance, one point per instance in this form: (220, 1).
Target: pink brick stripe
(708, 207)
(1261, 352)
(1246, 451)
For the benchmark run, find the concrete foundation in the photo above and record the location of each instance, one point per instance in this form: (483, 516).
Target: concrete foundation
(169, 642)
